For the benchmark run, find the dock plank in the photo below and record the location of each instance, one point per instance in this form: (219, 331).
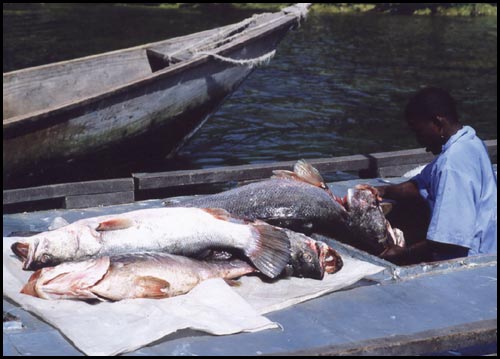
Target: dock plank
(99, 199)
(243, 172)
(67, 189)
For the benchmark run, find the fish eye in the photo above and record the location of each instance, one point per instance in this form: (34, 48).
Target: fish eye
(307, 257)
(45, 258)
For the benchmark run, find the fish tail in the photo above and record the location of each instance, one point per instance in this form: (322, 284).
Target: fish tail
(271, 250)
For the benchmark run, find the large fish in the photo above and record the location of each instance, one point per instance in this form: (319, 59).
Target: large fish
(140, 275)
(184, 231)
(301, 201)
(298, 200)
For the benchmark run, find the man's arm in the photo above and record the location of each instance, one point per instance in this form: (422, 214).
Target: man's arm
(402, 191)
(420, 251)
(424, 250)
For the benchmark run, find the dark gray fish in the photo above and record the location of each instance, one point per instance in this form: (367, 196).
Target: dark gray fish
(368, 227)
(311, 258)
(296, 200)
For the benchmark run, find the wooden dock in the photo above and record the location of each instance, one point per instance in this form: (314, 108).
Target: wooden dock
(126, 190)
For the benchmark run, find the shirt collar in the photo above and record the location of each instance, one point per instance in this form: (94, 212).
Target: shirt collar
(466, 132)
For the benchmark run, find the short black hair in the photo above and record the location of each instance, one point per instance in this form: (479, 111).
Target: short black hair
(430, 102)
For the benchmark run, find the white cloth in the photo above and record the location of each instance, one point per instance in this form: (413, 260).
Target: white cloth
(212, 306)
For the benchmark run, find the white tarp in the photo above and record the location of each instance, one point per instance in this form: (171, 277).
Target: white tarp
(212, 306)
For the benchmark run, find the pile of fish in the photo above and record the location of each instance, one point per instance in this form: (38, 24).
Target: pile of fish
(301, 201)
(149, 254)
(162, 252)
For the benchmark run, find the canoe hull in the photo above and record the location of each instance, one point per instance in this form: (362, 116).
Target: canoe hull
(153, 119)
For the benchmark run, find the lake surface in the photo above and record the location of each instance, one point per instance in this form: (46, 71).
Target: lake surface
(337, 85)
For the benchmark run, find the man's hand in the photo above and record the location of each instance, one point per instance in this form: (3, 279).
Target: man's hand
(394, 253)
(377, 191)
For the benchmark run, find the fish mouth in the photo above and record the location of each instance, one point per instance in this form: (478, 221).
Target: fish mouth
(25, 251)
(20, 249)
(329, 259)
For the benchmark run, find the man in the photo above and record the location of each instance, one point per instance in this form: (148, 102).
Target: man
(459, 185)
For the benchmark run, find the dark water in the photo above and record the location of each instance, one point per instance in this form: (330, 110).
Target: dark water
(336, 86)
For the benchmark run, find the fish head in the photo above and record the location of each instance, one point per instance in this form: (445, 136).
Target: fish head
(367, 220)
(305, 258)
(67, 280)
(45, 249)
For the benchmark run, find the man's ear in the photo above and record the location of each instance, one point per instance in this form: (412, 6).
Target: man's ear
(439, 121)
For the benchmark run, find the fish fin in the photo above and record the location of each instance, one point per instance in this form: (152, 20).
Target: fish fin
(309, 174)
(30, 287)
(153, 287)
(286, 175)
(232, 282)
(386, 207)
(115, 223)
(271, 250)
(223, 215)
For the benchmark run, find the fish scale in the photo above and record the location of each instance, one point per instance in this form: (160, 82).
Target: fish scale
(282, 202)
(184, 231)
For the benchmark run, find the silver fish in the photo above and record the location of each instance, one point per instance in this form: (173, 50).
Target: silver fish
(184, 231)
(143, 275)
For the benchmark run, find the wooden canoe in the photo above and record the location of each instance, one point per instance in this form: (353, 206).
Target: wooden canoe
(151, 97)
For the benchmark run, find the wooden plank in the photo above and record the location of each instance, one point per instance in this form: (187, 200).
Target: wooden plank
(384, 159)
(396, 163)
(404, 160)
(430, 341)
(67, 189)
(243, 172)
(100, 199)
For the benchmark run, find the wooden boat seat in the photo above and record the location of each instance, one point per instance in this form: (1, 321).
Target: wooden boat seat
(158, 61)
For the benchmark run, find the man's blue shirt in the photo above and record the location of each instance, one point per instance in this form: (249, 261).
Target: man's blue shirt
(461, 189)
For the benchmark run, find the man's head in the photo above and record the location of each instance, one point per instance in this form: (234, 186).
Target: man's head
(431, 113)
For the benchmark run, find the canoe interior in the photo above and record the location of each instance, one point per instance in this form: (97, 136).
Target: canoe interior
(41, 88)
(401, 311)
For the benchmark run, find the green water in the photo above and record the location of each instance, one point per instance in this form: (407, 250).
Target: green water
(336, 86)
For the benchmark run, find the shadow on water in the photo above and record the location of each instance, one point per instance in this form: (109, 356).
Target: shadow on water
(336, 86)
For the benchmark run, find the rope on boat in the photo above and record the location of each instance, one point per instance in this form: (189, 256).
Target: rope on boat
(229, 33)
(255, 62)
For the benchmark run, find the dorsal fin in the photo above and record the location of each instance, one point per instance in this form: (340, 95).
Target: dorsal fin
(303, 172)
(224, 215)
(285, 174)
(114, 224)
(308, 174)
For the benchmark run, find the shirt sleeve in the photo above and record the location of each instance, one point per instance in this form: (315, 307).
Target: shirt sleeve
(422, 180)
(454, 215)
